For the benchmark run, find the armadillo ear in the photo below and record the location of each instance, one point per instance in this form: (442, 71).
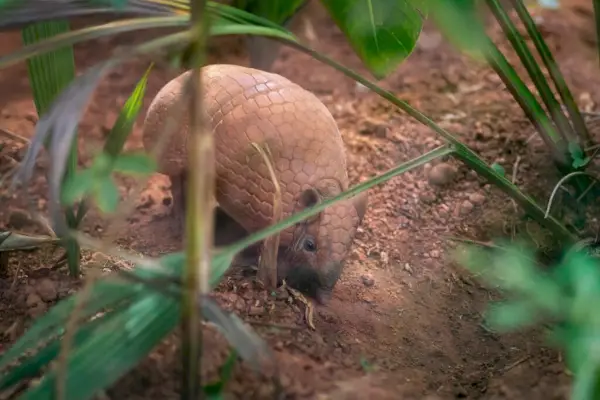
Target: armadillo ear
(309, 198)
(360, 202)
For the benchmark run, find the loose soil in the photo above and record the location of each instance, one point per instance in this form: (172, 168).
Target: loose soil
(405, 321)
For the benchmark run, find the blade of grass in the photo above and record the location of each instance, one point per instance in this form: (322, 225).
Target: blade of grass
(117, 137)
(463, 152)
(554, 71)
(49, 74)
(306, 213)
(532, 108)
(533, 69)
(70, 38)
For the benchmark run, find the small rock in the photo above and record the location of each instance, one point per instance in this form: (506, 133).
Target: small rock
(360, 88)
(19, 220)
(441, 174)
(374, 128)
(434, 253)
(46, 289)
(466, 207)
(427, 197)
(367, 280)
(31, 117)
(408, 268)
(33, 300)
(476, 198)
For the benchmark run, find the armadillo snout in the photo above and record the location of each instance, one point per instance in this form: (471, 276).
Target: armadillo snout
(311, 283)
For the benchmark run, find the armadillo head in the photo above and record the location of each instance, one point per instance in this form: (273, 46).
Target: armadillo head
(313, 262)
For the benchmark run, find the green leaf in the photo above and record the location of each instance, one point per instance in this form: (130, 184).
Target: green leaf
(136, 163)
(107, 195)
(77, 185)
(382, 32)
(459, 22)
(124, 123)
(577, 155)
(499, 169)
(11, 241)
(509, 316)
(214, 390)
(136, 318)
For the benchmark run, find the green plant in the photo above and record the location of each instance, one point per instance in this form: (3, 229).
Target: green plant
(561, 298)
(380, 38)
(566, 137)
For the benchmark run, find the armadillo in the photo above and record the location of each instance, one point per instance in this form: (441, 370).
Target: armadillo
(244, 106)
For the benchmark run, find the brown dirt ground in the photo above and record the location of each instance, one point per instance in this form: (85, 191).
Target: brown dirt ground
(401, 307)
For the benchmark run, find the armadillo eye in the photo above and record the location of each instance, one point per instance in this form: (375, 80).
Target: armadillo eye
(310, 245)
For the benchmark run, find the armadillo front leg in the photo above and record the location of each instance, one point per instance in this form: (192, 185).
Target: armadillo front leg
(227, 231)
(178, 206)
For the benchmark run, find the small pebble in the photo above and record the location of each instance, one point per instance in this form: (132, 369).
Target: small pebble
(441, 174)
(476, 198)
(427, 197)
(367, 280)
(466, 207)
(360, 88)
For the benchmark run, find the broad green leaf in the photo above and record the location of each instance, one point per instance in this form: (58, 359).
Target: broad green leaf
(135, 163)
(382, 32)
(114, 348)
(107, 194)
(105, 294)
(31, 366)
(460, 22)
(136, 322)
(77, 185)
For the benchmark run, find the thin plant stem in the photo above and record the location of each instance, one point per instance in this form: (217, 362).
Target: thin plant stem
(555, 74)
(532, 67)
(199, 221)
(597, 19)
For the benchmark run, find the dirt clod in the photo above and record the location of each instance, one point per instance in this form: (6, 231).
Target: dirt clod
(20, 220)
(441, 174)
(47, 289)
